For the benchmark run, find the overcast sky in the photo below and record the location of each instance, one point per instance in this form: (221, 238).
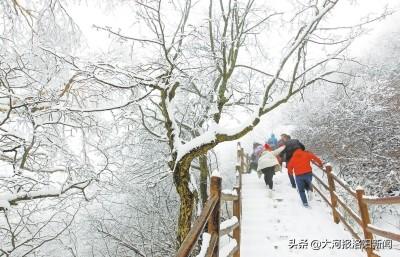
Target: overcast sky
(121, 17)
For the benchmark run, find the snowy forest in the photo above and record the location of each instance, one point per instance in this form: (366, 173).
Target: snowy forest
(113, 114)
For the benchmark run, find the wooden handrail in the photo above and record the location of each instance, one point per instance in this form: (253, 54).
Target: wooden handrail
(194, 234)
(322, 195)
(338, 180)
(214, 220)
(211, 214)
(349, 210)
(383, 233)
(229, 196)
(345, 186)
(237, 212)
(213, 242)
(382, 200)
(347, 225)
(363, 201)
(332, 189)
(321, 182)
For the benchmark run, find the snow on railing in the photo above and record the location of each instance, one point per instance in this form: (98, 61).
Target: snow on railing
(229, 249)
(228, 225)
(216, 173)
(229, 192)
(204, 246)
(229, 195)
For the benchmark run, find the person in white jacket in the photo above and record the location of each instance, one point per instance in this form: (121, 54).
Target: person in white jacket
(268, 164)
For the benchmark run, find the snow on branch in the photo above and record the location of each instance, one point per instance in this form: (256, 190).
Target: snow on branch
(8, 199)
(217, 134)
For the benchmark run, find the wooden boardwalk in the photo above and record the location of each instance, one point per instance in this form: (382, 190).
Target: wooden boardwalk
(270, 223)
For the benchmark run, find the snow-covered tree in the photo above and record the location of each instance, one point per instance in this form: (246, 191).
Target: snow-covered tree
(199, 65)
(44, 164)
(357, 125)
(145, 111)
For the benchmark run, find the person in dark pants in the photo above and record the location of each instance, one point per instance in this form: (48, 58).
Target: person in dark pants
(291, 145)
(300, 165)
(291, 179)
(268, 163)
(269, 173)
(304, 184)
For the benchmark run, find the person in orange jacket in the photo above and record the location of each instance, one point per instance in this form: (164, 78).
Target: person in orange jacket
(300, 165)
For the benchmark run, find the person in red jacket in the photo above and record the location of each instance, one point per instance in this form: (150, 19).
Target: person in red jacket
(300, 165)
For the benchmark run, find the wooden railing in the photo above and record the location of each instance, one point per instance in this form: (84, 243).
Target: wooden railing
(211, 214)
(362, 217)
(243, 160)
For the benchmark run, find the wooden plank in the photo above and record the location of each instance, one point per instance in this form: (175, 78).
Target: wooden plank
(332, 189)
(345, 186)
(349, 210)
(382, 200)
(198, 226)
(321, 181)
(349, 228)
(214, 220)
(383, 233)
(213, 242)
(237, 211)
(337, 179)
(229, 197)
(365, 221)
(322, 195)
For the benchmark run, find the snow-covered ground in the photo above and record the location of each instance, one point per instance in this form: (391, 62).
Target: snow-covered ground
(271, 223)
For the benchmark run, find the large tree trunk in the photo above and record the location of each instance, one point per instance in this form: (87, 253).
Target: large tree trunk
(182, 180)
(204, 171)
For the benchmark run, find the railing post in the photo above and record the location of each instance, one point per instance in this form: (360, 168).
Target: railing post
(239, 166)
(247, 162)
(332, 189)
(365, 221)
(239, 180)
(242, 164)
(214, 220)
(238, 159)
(237, 208)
